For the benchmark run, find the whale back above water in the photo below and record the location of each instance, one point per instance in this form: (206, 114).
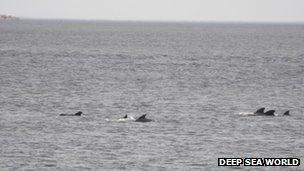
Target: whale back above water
(260, 111)
(143, 119)
(269, 113)
(286, 113)
(76, 114)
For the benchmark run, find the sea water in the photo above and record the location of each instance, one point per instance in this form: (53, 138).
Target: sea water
(199, 82)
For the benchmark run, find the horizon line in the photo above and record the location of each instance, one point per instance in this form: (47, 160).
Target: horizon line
(166, 21)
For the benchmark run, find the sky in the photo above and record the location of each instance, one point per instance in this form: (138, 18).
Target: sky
(159, 10)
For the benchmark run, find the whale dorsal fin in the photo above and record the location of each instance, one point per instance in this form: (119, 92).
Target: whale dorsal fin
(261, 110)
(143, 116)
(78, 113)
(126, 116)
(286, 113)
(270, 112)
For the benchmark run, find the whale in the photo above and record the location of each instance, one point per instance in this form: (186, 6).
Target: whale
(269, 113)
(286, 113)
(261, 112)
(76, 114)
(143, 119)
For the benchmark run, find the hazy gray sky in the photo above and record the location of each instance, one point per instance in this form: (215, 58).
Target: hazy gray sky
(163, 10)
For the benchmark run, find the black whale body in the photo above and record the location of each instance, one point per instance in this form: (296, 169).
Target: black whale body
(143, 119)
(286, 113)
(261, 112)
(76, 114)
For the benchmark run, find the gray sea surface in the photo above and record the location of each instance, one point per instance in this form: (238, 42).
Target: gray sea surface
(200, 82)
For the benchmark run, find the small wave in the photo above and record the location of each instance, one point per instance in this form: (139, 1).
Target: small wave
(245, 113)
(130, 118)
(126, 119)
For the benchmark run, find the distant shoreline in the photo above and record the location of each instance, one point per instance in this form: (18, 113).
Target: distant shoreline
(165, 22)
(8, 17)
(11, 17)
